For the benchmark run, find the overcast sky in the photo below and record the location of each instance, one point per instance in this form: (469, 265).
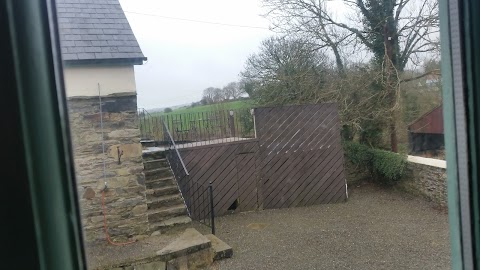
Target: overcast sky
(186, 57)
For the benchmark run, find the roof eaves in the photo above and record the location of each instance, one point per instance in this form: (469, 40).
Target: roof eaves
(108, 61)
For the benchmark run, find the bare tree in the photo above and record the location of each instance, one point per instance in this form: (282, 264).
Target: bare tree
(232, 90)
(218, 95)
(213, 95)
(394, 32)
(302, 19)
(284, 71)
(208, 95)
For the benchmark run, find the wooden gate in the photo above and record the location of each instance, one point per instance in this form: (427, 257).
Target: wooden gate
(231, 167)
(296, 160)
(300, 156)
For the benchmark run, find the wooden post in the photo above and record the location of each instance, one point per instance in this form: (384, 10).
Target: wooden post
(231, 123)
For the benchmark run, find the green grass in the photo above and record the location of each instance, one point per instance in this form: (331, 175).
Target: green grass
(231, 105)
(208, 120)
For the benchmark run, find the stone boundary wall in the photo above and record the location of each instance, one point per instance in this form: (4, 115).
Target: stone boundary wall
(125, 197)
(427, 177)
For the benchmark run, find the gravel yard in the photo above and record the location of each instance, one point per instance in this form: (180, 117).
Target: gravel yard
(375, 229)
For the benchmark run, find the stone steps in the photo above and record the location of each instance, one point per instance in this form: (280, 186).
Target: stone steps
(177, 223)
(166, 209)
(158, 173)
(160, 182)
(148, 143)
(220, 248)
(159, 192)
(188, 250)
(191, 250)
(163, 201)
(147, 156)
(165, 213)
(155, 164)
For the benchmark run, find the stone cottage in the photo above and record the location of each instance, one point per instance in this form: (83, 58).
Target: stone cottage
(100, 51)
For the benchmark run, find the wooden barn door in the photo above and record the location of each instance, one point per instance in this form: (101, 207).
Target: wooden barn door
(300, 155)
(247, 176)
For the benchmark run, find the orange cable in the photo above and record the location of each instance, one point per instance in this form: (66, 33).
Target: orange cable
(105, 226)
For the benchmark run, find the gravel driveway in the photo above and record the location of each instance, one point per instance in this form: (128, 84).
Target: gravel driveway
(375, 229)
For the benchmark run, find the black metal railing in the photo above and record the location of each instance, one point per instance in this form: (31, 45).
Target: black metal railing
(203, 128)
(198, 197)
(199, 128)
(149, 125)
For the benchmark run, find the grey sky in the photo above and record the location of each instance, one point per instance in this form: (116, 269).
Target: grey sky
(186, 57)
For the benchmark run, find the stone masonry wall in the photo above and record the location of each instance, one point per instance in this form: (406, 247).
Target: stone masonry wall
(429, 181)
(125, 197)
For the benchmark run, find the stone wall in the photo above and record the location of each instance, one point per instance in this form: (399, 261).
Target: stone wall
(125, 197)
(427, 177)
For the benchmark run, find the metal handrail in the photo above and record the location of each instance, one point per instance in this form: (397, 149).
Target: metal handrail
(145, 124)
(212, 208)
(175, 147)
(190, 204)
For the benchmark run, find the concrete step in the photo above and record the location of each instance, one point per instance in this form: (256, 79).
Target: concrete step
(158, 192)
(153, 155)
(221, 249)
(164, 213)
(157, 173)
(160, 182)
(168, 200)
(155, 164)
(191, 241)
(172, 223)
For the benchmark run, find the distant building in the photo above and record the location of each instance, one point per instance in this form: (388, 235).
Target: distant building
(432, 80)
(426, 133)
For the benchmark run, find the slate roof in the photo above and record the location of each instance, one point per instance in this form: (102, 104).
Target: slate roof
(93, 31)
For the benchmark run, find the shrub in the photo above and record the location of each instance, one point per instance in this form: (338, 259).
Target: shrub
(384, 166)
(168, 110)
(246, 122)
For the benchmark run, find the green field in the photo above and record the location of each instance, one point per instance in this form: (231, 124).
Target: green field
(200, 122)
(232, 105)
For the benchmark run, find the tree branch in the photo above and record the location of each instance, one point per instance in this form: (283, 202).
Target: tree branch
(432, 72)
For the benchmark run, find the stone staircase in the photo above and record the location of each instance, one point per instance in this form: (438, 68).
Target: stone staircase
(188, 250)
(166, 208)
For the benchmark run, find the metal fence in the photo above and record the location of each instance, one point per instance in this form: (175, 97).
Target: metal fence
(198, 197)
(200, 128)
(150, 126)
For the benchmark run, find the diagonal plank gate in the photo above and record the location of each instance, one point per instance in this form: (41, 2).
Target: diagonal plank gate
(295, 160)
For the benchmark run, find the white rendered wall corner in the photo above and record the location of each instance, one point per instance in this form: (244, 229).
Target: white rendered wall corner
(83, 81)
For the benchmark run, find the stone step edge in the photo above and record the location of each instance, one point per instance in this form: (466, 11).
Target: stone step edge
(152, 156)
(159, 179)
(189, 242)
(165, 198)
(173, 208)
(154, 262)
(171, 222)
(153, 171)
(154, 160)
(222, 250)
(152, 191)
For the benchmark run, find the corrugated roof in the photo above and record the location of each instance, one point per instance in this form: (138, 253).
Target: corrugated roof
(96, 30)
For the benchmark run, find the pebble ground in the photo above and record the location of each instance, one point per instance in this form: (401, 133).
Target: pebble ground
(376, 228)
